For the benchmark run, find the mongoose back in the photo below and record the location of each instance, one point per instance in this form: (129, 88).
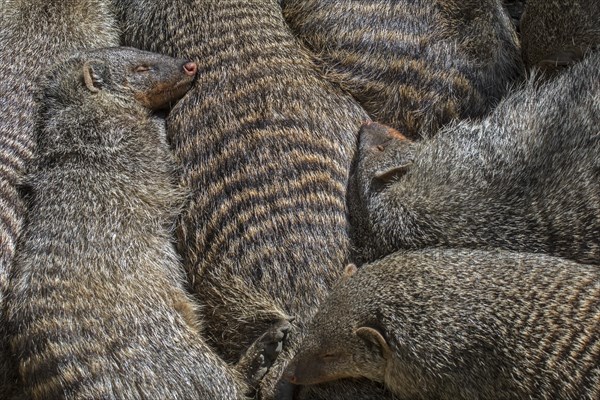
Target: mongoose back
(526, 178)
(265, 144)
(97, 305)
(558, 33)
(461, 324)
(33, 34)
(413, 64)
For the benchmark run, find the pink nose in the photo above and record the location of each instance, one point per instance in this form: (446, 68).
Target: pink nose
(190, 68)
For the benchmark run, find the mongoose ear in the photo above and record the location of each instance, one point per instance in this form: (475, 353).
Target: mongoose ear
(350, 270)
(375, 337)
(382, 178)
(93, 75)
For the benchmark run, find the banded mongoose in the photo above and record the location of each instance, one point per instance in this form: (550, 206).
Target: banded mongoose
(526, 178)
(265, 144)
(33, 35)
(97, 308)
(558, 33)
(414, 65)
(461, 324)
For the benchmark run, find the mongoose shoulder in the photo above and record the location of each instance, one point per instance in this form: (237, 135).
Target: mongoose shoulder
(461, 324)
(557, 33)
(415, 65)
(97, 305)
(265, 145)
(33, 35)
(526, 178)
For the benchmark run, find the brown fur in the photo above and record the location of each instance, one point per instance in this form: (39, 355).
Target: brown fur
(461, 324)
(264, 144)
(526, 178)
(97, 307)
(558, 33)
(33, 35)
(414, 65)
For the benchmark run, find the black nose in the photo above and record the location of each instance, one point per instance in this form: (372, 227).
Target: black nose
(190, 68)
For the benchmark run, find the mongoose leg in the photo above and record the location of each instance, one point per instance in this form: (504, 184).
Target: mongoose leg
(259, 357)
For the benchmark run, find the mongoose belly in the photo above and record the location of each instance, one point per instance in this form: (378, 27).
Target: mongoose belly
(97, 307)
(33, 35)
(414, 65)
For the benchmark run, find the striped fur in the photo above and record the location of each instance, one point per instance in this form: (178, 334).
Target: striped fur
(265, 146)
(412, 64)
(526, 178)
(462, 324)
(558, 33)
(33, 34)
(97, 304)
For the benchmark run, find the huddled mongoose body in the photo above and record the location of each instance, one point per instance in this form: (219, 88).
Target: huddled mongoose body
(461, 324)
(417, 64)
(33, 34)
(557, 33)
(97, 307)
(265, 146)
(526, 178)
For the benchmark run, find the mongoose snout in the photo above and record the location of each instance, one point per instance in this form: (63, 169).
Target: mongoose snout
(158, 81)
(379, 141)
(154, 80)
(376, 135)
(190, 68)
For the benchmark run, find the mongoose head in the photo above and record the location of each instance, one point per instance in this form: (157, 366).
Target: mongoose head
(153, 80)
(384, 156)
(340, 343)
(100, 99)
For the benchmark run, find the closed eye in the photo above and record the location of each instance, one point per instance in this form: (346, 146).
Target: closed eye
(329, 356)
(142, 68)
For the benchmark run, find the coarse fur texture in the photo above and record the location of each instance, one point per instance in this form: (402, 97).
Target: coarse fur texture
(515, 10)
(265, 146)
(33, 35)
(526, 178)
(461, 324)
(413, 64)
(557, 33)
(97, 307)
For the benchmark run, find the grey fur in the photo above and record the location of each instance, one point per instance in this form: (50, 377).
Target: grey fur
(265, 144)
(33, 35)
(526, 178)
(97, 307)
(558, 33)
(413, 64)
(461, 324)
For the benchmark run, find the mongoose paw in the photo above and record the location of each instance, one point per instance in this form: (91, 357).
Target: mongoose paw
(259, 357)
